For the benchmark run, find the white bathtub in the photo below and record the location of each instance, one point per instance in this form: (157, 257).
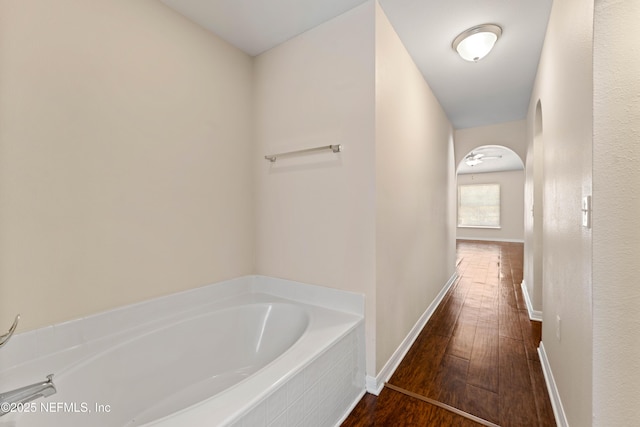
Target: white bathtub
(240, 356)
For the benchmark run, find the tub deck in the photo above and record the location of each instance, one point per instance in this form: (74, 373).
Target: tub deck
(238, 354)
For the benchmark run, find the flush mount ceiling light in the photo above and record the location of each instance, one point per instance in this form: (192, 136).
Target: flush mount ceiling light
(476, 42)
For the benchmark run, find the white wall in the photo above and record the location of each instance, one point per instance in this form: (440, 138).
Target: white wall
(511, 206)
(315, 214)
(616, 223)
(125, 147)
(415, 234)
(564, 88)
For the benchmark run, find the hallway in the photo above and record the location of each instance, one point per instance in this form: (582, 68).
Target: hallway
(477, 353)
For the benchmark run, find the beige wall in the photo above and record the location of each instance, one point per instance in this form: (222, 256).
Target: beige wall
(415, 236)
(376, 218)
(564, 88)
(511, 209)
(125, 147)
(533, 210)
(315, 214)
(132, 164)
(616, 223)
(512, 135)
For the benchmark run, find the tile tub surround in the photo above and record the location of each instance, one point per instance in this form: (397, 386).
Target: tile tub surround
(35, 354)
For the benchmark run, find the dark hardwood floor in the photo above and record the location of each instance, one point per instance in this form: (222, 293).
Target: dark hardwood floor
(477, 353)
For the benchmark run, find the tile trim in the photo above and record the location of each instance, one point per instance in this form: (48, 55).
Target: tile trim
(376, 384)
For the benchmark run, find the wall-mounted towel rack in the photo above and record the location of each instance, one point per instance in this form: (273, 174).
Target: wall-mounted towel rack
(336, 148)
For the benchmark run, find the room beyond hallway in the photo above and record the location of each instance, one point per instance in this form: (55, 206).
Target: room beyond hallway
(477, 353)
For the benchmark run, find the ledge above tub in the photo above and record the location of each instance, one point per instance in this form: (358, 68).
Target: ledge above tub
(331, 298)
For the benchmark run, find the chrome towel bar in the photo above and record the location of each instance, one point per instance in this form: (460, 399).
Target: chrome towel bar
(336, 148)
(4, 338)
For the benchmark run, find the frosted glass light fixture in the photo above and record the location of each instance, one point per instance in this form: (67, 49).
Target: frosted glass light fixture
(476, 42)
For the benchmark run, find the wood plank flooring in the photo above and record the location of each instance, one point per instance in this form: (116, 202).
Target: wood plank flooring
(477, 353)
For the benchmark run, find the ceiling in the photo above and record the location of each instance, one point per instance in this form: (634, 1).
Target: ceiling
(495, 158)
(496, 89)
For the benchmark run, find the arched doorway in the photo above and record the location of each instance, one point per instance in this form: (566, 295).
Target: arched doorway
(490, 203)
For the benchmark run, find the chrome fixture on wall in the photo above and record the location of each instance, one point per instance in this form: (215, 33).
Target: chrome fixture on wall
(336, 148)
(18, 397)
(5, 338)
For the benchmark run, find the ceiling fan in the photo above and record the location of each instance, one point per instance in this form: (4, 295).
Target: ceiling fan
(473, 159)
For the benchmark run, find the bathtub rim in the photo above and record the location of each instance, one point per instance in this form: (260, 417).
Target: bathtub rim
(175, 320)
(85, 336)
(250, 393)
(93, 330)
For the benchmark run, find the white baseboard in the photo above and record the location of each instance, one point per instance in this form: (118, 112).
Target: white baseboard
(554, 395)
(533, 314)
(491, 239)
(351, 408)
(375, 384)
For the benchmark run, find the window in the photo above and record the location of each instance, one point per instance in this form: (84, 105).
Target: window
(479, 205)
